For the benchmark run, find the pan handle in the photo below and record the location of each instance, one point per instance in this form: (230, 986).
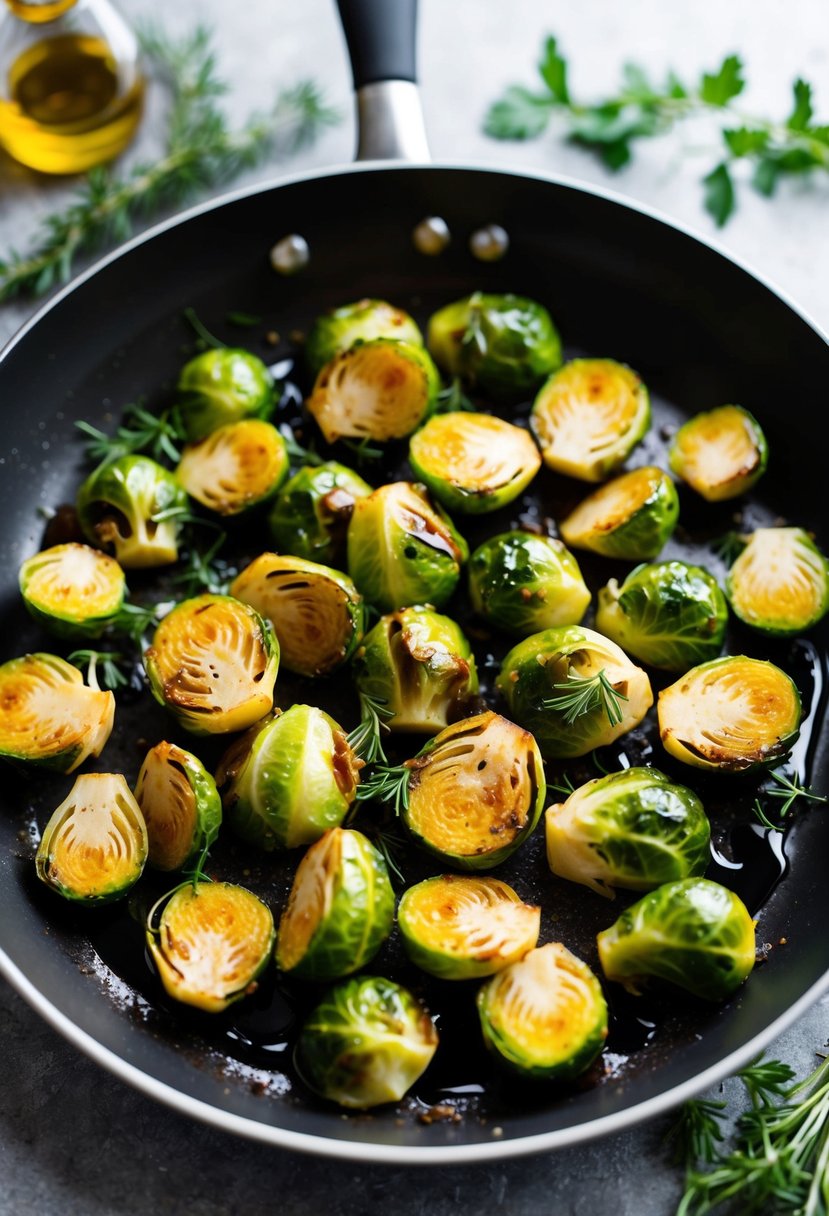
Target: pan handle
(381, 39)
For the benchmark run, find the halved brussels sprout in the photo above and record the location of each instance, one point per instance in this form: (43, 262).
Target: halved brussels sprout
(340, 908)
(544, 1016)
(48, 716)
(73, 590)
(312, 510)
(463, 926)
(420, 667)
(403, 549)
(779, 584)
(634, 829)
(589, 416)
(132, 508)
(631, 517)
(317, 612)
(670, 615)
(211, 943)
(523, 583)
(574, 689)
(295, 778)
(501, 344)
(366, 1043)
(381, 390)
(730, 715)
(213, 663)
(473, 462)
(720, 453)
(223, 385)
(693, 933)
(180, 804)
(361, 321)
(94, 847)
(235, 467)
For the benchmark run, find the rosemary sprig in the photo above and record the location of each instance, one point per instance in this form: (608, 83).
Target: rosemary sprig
(365, 739)
(788, 791)
(363, 450)
(205, 337)
(135, 621)
(141, 431)
(297, 452)
(453, 399)
(697, 1131)
(388, 783)
(584, 694)
(109, 675)
(203, 570)
(729, 547)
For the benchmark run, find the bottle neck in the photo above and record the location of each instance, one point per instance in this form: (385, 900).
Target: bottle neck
(38, 12)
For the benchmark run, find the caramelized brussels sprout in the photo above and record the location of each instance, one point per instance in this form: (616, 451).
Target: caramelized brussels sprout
(94, 847)
(363, 320)
(403, 549)
(340, 908)
(502, 344)
(312, 510)
(131, 507)
(545, 1016)
(693, 933)
(473, 463)
(48, 716)
(72, 590)
(220, 386)
(779, 584)
(317, 612)
(210, 943)
(634, 829)
(523, 583)
(720, 453)
(380, 390)
(731, 715)
(419, 666)
(180, 804)
(631, 517)
(213, 663)
(235, 467)
(670, 615)
(589, 416)
(464, 926)
(574, 689)
(290, 780)
(366, 1043)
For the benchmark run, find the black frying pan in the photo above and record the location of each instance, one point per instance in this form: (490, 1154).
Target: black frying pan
(619, 281)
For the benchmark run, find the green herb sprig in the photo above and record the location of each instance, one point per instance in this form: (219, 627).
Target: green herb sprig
(389, 784)
(787, 791)
(102, 668)
(365, 740)
(161, 435)
(584, 694)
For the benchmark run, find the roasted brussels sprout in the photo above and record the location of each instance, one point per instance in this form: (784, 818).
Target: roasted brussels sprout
(290, 781)
(419, 666)
(94, 847)
(589, 416)
(73, 590)
(731, 715)
(317, 612)
(720, 453)
(210, 943)
(545, 1016)
(630, 517)
(220, 386)
(464, 926)
(779, 583)
(180, 804)
(48, 716)
(235, 467)
(311, 513)
(693, 933)
(502, 344)
(132, 508)
(364, 320)
(380, 390)
(634, 829)
(523, 583)
(403, 549)
(213, 663)
(366, 1043)
(670, 615)
(574, 689)
(473, 463)
(340, 908)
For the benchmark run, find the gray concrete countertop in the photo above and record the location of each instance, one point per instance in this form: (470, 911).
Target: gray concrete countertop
(73, 1139)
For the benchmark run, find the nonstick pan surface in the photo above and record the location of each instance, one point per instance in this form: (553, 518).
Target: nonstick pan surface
(619, 282)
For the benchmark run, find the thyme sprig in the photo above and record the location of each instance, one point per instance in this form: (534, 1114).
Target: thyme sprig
(584, 694)
(365, 740)
(389, 784)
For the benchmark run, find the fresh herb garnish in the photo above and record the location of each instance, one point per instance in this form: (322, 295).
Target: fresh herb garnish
(204, 571)
(787, 791)
(160, 435)
(102, 668)
(365, 739)
(388, 783)
(584, 694)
